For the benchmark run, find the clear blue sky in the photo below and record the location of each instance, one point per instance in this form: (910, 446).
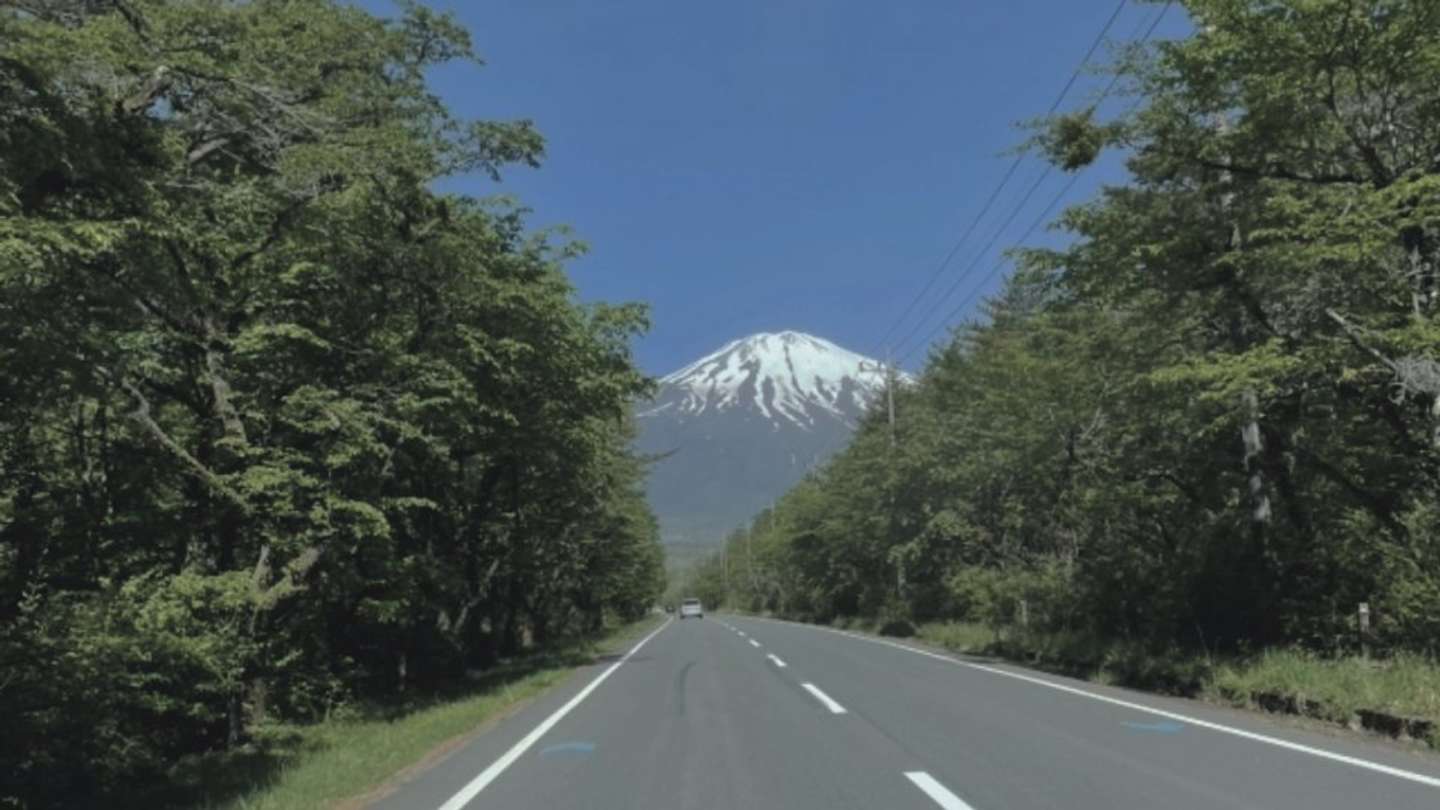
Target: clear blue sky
(756, 165)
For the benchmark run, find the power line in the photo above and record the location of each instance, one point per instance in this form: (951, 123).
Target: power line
(960, 279)
(1154, 21)
(1009, 173)
(1150, 31)
(995, 270)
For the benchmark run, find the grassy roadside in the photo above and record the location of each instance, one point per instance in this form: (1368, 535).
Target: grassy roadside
(1355, 692)
(341, 763)
(1406, 686)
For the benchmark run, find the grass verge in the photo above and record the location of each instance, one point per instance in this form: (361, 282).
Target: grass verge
(1353, 691)
(1405, 686)
(342, 764)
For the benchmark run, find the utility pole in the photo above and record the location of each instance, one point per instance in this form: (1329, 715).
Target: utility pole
(725, 568)
(890, 381)
(890, 395)
(889, 369)
(750, 559)
(890, 413)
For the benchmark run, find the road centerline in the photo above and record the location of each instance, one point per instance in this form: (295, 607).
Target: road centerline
(936, 791)
(754, 643)
(1266, 739)
(826, 700)
(776, 659)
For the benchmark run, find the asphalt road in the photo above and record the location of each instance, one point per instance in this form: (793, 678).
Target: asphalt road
(731, 713)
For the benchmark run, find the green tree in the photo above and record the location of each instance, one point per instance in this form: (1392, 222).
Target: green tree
(281, 426)
(1211, 417)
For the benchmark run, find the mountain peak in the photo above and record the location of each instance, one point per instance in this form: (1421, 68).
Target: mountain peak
(741, 425)
(784, 376)
(763, 341)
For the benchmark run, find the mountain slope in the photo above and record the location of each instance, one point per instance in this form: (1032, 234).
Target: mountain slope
(743, 424)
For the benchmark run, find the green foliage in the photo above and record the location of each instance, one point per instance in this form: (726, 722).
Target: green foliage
(1075, 141)
(282, 428)
(341, 761)
(1406, 613)
(1208, 425)
(1408, 685)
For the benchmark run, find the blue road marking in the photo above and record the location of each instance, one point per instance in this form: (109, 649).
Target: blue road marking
(1162, 727)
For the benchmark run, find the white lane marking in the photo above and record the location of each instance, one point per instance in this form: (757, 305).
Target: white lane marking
(471, 790)
(936, 791)
(778, 662)
(754, 643)
(741, 632)
(835, 708)
(1345, 759)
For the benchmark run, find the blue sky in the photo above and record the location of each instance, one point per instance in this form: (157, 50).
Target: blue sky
(758, 165)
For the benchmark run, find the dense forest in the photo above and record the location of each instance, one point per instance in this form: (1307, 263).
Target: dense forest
(281, 426)
(1212, 419)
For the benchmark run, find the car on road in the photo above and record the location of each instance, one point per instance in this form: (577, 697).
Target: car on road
(691, 607)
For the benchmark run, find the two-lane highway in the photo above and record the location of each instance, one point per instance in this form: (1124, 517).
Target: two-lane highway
(731, 713)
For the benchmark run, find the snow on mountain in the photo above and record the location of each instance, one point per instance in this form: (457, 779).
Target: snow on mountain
(788, 376)
(735, 429)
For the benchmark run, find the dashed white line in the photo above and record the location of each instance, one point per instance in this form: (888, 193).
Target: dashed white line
(778, 662)
(936, 791)
(741, 632)
(1266, 739)
(835, 708)
(473, 788)
(754, 643)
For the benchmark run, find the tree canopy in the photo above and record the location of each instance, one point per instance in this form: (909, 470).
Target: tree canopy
(1214, 417)
(281, 426)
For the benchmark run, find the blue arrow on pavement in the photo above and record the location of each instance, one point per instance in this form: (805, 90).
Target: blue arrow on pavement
(1162, 727)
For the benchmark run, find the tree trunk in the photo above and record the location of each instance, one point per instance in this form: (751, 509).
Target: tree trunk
(1254, 443)
(236, 721)
(510, 634)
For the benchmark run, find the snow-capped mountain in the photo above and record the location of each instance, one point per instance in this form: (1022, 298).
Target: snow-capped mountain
(738, 427)
(786, 377)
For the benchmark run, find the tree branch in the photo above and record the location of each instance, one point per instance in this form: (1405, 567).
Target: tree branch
(1276, 171)
(205, 148)
(1354, 334)
(142, 417)
(277, 229)
(160, 81)
(220, 388)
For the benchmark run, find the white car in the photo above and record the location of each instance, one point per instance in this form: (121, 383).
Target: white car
(691, 607)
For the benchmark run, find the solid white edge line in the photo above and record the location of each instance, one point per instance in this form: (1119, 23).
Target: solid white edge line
(754, 643)
(1366, 764)
(835, 708)
(937, 791)
(471, 790)
(776, 659)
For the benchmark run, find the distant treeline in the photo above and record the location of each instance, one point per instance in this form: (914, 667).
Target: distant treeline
(281, 427)
(1213, 420)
